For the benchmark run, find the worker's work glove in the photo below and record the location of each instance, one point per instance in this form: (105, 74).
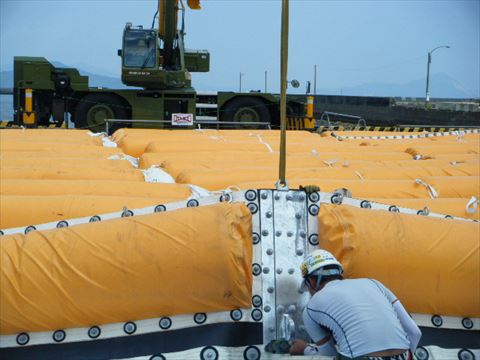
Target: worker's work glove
(278, 346)
(310, 188)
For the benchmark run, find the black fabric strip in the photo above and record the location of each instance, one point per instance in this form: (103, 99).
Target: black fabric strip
(224, 334)
(450, 338)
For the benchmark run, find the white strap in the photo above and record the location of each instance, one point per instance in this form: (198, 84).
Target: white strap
(431, 190)
(259, 137)
(472, 205)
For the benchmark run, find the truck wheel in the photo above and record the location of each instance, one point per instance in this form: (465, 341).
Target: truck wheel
(93, 109)
(246, 109)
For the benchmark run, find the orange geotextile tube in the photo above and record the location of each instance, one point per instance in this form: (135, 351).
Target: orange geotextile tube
(46, 162)
(57, 147)
(70, 171)
(179, 262)
(419, 258)
(447, 206)
(89, 153)
(218, 177)
(404, 189)
(21, 210)
(92, 187)
(56, 139)
(45, 132)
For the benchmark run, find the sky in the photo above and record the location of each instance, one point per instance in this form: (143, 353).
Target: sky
(351, 42)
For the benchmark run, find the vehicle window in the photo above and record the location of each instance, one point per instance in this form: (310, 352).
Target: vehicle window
(139, 49)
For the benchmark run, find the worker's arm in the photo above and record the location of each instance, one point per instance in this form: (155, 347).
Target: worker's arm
(323, 340)
(413, 332)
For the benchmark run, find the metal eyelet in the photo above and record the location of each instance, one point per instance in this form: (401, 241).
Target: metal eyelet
(257, 314)
(23, 339)
(160, 208)
(129, 327)
(250, 195)
(62, 224)
(437, 320)
(252, 207)
(94, 332)
(59, 336)
(29, 228)
(165, 323)
(257, 300)
(252, 353)
(209, 353)
(200, 318)
(236, 315)
(365, 204)
(192, 203)
(313, 239)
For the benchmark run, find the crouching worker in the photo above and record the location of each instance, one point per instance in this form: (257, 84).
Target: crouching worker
(352, 318)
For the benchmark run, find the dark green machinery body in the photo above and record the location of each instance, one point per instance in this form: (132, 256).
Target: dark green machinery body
(59, 93)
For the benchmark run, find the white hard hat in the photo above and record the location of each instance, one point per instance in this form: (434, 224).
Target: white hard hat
(316, 260)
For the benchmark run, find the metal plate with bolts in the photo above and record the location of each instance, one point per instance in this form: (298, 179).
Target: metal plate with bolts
(285, 227)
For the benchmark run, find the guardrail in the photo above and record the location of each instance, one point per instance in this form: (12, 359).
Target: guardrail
(196, 124)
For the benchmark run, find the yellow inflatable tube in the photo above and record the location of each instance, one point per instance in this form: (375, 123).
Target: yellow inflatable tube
(419, 258)
(447, 206)
(20, 210)
(180, 262)
(70, 171)
(92, 187)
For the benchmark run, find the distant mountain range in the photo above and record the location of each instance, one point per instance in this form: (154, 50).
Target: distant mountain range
(441, 86)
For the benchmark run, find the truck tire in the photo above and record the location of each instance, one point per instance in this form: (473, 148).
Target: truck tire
(246, 109)
(93, 109)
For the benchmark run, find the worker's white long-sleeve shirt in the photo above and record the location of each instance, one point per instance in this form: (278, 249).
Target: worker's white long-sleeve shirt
(360, 315)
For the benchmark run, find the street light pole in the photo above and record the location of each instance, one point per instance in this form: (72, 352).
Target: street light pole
(429, 61)
(265, 81)
(240, 76)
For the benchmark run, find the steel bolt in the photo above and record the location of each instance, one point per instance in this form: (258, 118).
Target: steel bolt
(291, 271)
(278, 233)
(266, 270)
(264, 195)
(279, 271)
(269, 251)
(270, 289)
(289, 233)
(303, 234)
(299, 252)
(268, 214)
(265, 232)
(267, 308)
(301, 197)
(288, 197)
(277, 197)
(298, 215)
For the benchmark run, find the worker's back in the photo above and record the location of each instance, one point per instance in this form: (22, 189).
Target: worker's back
(360, 315)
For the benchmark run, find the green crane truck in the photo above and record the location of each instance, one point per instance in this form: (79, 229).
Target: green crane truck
(156, 63)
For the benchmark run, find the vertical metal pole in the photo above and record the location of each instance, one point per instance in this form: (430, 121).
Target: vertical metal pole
(265, 81)
(240, 86)
(427, 91)
(315, 79)
(283, 92)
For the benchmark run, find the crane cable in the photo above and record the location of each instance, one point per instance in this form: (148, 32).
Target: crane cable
(283, 93)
